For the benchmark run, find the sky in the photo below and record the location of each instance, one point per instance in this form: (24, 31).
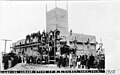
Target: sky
(17, 19)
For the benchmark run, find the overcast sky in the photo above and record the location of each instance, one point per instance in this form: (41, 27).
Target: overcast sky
(101, 19)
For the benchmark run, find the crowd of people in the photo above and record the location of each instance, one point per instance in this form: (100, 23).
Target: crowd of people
(70, 60)
(10, 60)
(66, 59)
(43, 37)
(80, 61)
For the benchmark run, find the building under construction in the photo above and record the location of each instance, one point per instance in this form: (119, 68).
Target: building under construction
(50, 43)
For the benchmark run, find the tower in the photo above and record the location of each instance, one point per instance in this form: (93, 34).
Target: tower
(57, 18)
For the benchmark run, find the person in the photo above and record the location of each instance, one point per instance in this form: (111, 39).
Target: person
(78, 61)
(43, 37)
(96, 62)
(46, 59)
(70, 59)
(34, 59)
(50, 35)
(39, 36)
(5, 61)
(11, 62)
(31, 59)
(67, 60)
(64, 61)
(60, 61)
(74, 61)
(85, 60)
(91, 61)
(19, 58)
(82, 61)
(25, 58)
(101, 63)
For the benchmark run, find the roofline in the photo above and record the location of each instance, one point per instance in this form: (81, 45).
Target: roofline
(55, 8)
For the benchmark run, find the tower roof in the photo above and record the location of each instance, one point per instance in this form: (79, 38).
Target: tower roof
(57, 9)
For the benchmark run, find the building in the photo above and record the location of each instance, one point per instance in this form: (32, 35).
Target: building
(57, 18)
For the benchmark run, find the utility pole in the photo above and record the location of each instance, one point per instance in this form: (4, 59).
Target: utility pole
(5, 43)
(55, 29)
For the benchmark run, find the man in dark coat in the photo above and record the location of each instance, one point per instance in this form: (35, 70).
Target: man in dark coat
(91, 61)
(65, 61)
(5, 61)
(82, 61)
(60, 61)
(85, 60)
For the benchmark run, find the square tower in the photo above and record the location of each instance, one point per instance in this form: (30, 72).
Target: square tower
(57, 18)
